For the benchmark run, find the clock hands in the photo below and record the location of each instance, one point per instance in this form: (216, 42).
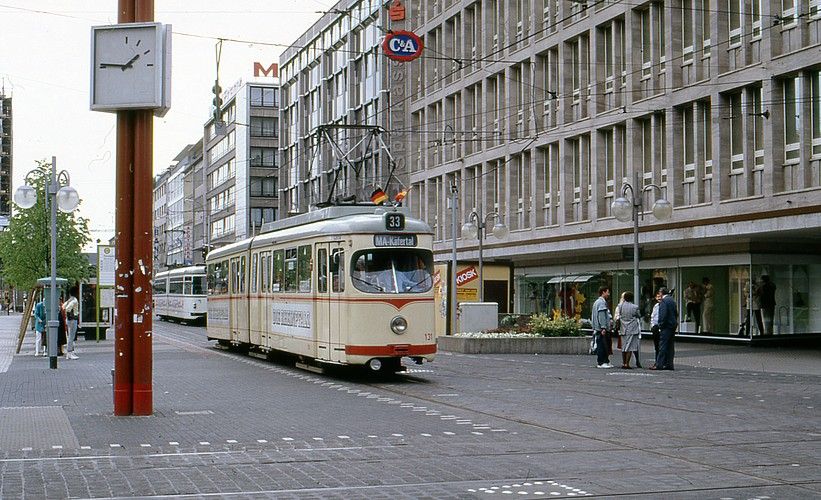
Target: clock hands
(123, 67)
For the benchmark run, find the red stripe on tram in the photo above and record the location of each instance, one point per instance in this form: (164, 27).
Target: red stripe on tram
(390, 350)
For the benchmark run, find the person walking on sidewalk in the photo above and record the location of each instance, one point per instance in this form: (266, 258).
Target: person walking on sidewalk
(654, 324)
(39, 328)
(602, 321)
(668, 320)
(629, 329)
(72, 307)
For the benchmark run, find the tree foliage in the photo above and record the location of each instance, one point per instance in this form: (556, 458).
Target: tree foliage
(25, 248)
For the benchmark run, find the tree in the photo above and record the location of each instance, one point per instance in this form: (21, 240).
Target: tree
(25, 248)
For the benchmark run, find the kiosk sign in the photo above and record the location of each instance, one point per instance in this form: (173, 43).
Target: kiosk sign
(402, 45)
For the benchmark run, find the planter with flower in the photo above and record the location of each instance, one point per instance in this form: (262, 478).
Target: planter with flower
(536, 334)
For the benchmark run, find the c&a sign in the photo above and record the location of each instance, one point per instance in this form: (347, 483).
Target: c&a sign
(402, 45)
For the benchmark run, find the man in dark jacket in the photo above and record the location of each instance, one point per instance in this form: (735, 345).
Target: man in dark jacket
(668, 321)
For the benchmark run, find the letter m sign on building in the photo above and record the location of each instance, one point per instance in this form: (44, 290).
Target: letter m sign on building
(272, 70)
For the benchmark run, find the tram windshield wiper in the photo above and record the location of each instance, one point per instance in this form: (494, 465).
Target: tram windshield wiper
(408, 288)
(372, 285)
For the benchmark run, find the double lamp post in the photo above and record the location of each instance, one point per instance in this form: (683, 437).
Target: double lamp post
(625, 209)
(59, 194)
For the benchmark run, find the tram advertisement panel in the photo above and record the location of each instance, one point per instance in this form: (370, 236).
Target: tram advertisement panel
(293, 319)
(218, 313)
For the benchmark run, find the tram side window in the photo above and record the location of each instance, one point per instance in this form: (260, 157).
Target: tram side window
(218, 278)
(254, 272)
(338, 270)
(278, 277)
(159, 286)
(175, 286)
(304, 268)
(187, 284)
(235, 276)
(242, 274)
(290, 270)
(264, 271)
(198, 285)
(322, 270)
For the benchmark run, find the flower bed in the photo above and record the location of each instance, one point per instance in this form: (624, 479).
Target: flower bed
(512, 343)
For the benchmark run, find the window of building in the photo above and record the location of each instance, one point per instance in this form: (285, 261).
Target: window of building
(264, 96)
(816, 112)
(261, 215)
(608, 138)
(706, 16)
(788, 13)
(755, 8)
(815, 8)
(646, 42)
(576, 160)
(646, 127)
(688, 130)
(263, 157)
(220, 149)
(734, 22)
(706, 118)
(264, 126)
(736, 133)
(687, 30)
(758, 126)
(264, 186)
(792, 118)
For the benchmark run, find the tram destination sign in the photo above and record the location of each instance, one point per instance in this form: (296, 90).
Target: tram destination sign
(394, 240)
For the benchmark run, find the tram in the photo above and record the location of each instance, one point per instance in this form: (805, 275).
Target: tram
(180, 294)
(348, 285)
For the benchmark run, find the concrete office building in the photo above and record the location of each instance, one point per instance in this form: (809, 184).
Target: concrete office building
(178, 237)
(241, 164)
(214, 198)
(542, 111)
(335, 86)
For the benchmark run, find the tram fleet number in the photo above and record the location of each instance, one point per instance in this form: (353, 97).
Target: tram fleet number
(394, 221)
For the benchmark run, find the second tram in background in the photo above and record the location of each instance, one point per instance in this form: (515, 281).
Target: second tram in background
(343, 285)
(180, 294)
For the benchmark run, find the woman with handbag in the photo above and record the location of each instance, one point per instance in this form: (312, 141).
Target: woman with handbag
(629, 328)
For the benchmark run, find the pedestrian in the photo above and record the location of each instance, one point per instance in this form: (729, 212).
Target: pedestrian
(767, 303)
(40, 328)
(654, 324)
(72, 308)
(758, 289)
(602, 322)
(61, 328)
(8, 305)
(707, 306)
(668, 321)
(629, 329)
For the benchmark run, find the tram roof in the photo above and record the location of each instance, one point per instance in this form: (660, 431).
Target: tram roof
(182, 271)
(346, 219)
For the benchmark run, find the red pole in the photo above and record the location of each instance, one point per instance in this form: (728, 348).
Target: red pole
(132, 345)
(124, 251)
(143, 264)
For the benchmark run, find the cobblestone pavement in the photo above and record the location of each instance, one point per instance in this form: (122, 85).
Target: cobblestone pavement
(465, 426)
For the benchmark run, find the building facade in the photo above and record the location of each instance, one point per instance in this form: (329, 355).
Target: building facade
(340, 133)
(241, 163)
(543, 111)
(6, 162)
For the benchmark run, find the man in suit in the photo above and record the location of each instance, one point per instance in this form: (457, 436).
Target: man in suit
(668, 321)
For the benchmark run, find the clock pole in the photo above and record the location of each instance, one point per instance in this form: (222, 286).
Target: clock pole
(133, 393)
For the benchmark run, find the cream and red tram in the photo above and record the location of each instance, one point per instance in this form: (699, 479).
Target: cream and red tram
(343, 285)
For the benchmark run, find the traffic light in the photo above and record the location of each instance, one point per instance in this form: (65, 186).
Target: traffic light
(217, 90)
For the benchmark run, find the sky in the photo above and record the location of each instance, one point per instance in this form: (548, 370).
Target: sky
(45, 68)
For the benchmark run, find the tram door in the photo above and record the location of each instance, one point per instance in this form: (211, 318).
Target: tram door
(239, 301)
(329, 259)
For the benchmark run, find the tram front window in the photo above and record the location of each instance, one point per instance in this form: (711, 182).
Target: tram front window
(392, 271)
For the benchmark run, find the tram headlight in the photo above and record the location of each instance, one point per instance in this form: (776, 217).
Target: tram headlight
(399, 325)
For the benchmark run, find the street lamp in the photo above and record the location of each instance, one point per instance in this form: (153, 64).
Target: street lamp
(59, 194)
(625, 209)
(476, 227)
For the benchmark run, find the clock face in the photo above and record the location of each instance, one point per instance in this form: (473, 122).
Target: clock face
(127, 67)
